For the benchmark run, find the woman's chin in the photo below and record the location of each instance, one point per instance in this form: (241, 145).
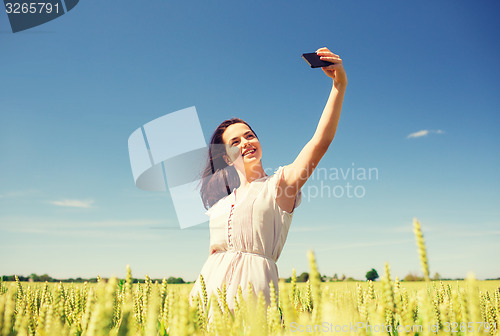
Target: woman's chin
(250, 159)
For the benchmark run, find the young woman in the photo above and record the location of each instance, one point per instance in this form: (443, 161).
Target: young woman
(250, 212)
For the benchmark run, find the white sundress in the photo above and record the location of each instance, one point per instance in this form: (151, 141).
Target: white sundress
(246, 240)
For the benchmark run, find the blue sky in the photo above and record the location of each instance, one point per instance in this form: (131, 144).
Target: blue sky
(74, 89)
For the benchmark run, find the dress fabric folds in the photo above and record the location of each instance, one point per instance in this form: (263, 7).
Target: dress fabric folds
(247, 236)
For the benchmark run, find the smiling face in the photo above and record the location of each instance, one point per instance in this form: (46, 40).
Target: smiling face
(242, 143)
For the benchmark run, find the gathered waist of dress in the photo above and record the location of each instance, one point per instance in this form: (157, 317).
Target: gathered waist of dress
(246, 252)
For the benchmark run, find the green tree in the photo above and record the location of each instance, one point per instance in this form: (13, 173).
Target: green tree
(371, 275)
(412, 277)
(303, 277)
(44, 278)
(173, 280)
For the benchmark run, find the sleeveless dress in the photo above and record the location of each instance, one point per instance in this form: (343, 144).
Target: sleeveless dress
(247, 236)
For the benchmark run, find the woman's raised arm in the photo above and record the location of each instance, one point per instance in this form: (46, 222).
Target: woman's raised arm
(296, 174)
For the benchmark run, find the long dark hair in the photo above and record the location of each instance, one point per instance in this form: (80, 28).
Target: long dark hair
(218, 178)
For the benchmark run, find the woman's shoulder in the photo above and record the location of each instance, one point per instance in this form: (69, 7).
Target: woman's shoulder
(274, 183)
(276, 176)
(271, 181)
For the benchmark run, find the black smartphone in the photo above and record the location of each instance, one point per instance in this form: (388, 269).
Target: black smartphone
(314, 61)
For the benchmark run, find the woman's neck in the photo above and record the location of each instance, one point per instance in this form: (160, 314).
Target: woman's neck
(251, 174)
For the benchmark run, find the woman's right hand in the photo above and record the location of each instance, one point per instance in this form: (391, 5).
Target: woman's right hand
(335, 71)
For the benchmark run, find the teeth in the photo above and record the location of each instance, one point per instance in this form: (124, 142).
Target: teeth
(250, 151)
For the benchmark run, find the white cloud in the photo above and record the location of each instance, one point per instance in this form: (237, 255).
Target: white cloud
(24, 223)
(20, 193)
(418, 134)
(114, 230)
(73, 203)
(423, 133)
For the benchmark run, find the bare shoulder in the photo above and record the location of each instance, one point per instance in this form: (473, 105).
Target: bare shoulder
(287, 191)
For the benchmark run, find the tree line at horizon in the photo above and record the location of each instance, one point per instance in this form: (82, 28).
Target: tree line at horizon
(304, 277)
(46, 278)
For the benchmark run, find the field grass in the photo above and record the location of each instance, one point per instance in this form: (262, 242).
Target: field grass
(351, 308)
(123, 308)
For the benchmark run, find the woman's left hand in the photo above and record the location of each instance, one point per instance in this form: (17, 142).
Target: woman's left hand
(335, 71)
